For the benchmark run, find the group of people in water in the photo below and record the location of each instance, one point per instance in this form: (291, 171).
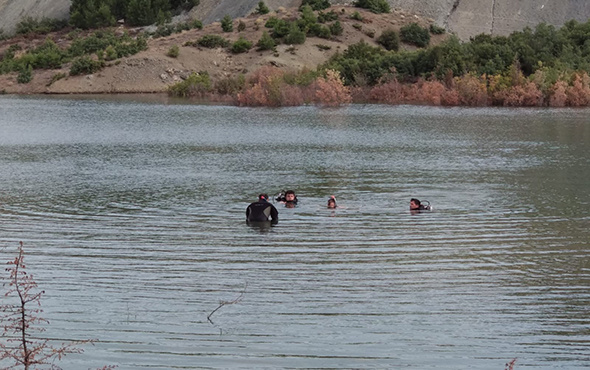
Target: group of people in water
(264, 211)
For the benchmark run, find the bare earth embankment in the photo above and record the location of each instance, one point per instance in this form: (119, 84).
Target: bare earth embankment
(152, 71)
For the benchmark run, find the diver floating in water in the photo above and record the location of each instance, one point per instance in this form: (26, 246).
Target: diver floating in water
(288, 198)
(417, 206)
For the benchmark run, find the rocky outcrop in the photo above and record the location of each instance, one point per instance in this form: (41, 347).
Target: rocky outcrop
(465, 18)
(13, 11)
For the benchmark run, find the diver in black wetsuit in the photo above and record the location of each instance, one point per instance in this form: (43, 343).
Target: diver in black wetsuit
(262, 211)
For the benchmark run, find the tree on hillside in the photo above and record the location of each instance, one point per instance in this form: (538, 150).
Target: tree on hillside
(91, 14)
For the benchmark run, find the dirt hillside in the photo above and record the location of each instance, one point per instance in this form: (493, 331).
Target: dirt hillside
(153, 71)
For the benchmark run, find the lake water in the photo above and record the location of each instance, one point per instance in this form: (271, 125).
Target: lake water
(132, 214)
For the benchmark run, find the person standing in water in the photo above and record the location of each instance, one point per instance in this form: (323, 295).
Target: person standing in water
(262, 211)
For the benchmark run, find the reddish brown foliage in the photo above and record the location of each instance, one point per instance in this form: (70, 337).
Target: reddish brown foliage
(472, 90)
(558, 96)
(388, 93)
(525, 95)
(578, 95)
(330, 91)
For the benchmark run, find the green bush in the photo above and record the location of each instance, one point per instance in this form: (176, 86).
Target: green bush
(230, 86)
(56, 77)
(271, 22)
(213, 41)
(241, 26)
(295, 35)
(227, 24)
(85, 65)
(319, 30)
(356, 16)
(336, 28)
(173, 51)
(266, 42)
(327, 17)
(241, 46)
(281, 28)
(376, 6)
(110, 53)
(197, 84)
(389, 39)
(316, 4)
(45, 25)
(415, 35)
(262, 8)
(25, 75)
(436, 30)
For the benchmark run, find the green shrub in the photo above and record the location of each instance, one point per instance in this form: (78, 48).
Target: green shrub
(227, 24)
(230, 86)
(45, 25)
(356, 16)
(376, 6)
(389, 39)
(316, 4)
(85, 65)
(415, 35)
(271, 22)
(336, 28)
(173, 51)
(25, 75)
(241, 46)
(319, 30)
(196, 24)
(295, 35)
(327, 17)
(197, 84)
(56, 77)
(262, 8)
(281, 28)
(164, 30)
(241, 26)
(266, 42)
(358, 26)
(213, 41)
(436, 30)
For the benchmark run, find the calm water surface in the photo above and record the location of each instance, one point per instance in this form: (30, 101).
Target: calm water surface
(132, 215)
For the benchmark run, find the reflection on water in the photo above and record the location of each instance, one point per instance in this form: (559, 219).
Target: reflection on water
(133, 219)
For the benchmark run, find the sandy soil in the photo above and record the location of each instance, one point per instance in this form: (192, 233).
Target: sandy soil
(152, 71)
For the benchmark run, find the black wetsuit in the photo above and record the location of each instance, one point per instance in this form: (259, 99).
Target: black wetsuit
(262, 211)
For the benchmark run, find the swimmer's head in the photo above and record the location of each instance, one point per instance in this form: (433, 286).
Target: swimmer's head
(332, 202)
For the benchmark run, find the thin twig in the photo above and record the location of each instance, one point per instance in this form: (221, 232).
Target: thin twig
(223, 303)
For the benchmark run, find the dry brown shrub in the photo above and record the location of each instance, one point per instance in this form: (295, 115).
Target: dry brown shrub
(360, 94)
(525, 95)
(431, 92)
(558, 96)
(578, 95)
(292, 96)
(330, 91)
(265, 88)
(451, 98)
(472, 90)
(253, 96)
(390, 92)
